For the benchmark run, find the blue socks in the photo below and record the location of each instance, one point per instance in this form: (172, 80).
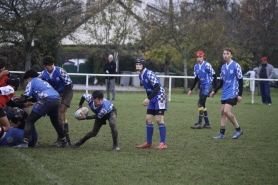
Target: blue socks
(201, 115)
(206, 116)
(162, 132)
(149, 133)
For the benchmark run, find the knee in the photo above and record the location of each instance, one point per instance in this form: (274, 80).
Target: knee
(159, 120)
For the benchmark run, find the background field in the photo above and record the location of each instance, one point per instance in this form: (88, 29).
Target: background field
(192, 157)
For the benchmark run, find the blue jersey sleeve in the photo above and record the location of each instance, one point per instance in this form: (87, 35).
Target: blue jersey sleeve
(65, 76)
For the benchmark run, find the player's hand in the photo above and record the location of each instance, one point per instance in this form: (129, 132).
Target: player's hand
(78, 108)
(239, 98)
(82, 116)
(212, 94)
(28, 104)
(146, 102)
(189, 93)
(4, 72)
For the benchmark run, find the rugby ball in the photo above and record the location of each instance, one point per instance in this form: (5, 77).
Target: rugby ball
(83, 110)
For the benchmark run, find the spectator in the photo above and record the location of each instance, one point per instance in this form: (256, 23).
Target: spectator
(110, 68)
(265, 71)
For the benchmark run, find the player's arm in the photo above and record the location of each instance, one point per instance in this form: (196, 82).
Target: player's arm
(214, 82)
(194, 83)
(23, 98)
(240, 87)
(218, 87)
(82, 99)
(12, 103)
(4, 72)
(91, 117)
(155, 91)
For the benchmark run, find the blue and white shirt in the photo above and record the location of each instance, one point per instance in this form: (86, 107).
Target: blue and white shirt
(149, 79)
(40, 89)
(204, 72)
(230, 74)
(100, 111)
(59, 78)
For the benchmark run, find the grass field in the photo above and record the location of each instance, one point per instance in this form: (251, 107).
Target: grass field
(192, 157)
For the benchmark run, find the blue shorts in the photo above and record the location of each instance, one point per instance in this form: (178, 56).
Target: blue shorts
(49, 106)
(158, 102)
(205, 89)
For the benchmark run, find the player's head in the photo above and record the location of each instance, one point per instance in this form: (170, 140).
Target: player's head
(97, 98)
(48, 62)
(31, 73)
(264, 60)
(3, 63)
(13, 81)
(200, 55)
(140, 63)
(227, 54)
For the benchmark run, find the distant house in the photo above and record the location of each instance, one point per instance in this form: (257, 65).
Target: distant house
(99, 30)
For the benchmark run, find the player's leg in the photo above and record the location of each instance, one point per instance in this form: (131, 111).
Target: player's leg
(200, 105)
(205, 94)
(161, 105)
(159, 115)
(92, 133)
(262, 90)
(114, 132)
(223, 122)
(33, 140)
(52, 108)
(149, 129)
(29, 127)
(65, 104)
(63, 121)
(207, 123)
(267, 94)
(228, 112)
(57, 126)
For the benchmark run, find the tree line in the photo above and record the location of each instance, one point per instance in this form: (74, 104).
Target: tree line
(168, 34)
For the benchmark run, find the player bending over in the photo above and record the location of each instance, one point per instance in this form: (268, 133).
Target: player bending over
(104, 110)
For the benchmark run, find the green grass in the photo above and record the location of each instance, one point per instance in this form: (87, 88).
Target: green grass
(192, 157)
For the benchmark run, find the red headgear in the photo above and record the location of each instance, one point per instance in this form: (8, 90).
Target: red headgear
(264, 59)
(200, 53)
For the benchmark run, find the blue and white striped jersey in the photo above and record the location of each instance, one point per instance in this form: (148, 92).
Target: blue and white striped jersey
(40, 89)
(204, 72)
(230, 74)
(102, 110)
(59, 78)
(149, 79)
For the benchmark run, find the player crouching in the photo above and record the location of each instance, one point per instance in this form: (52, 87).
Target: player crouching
(104, 110)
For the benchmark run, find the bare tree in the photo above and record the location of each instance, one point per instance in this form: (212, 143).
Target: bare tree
(46, 22)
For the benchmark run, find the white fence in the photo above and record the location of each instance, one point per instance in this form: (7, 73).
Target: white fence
(159, 76)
